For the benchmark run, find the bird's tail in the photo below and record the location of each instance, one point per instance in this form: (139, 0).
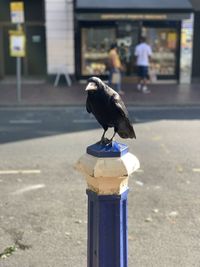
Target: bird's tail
(125, 129)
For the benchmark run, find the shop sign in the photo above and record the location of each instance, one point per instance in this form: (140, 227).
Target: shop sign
(17, 12)
(17, 44)
(132, 16)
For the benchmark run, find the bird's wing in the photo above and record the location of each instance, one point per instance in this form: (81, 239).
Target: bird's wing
(125, 129)
(88, 107)
(116, 101)
(119, 104)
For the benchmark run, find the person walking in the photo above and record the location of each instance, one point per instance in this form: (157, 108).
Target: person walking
(143, 53)
(115, 68)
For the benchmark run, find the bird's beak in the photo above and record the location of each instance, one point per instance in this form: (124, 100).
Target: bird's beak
(91, 86)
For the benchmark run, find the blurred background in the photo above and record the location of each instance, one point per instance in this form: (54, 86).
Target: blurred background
(48, 49)
(75, 36)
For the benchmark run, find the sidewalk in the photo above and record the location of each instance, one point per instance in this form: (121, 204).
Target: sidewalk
(45, 94)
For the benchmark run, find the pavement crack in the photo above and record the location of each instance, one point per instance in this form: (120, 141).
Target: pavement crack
(22, 246)
(17, 237)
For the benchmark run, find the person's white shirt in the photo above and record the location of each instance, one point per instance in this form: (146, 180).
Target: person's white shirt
(142, 52)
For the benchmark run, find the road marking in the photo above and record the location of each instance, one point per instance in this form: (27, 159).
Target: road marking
(157, 138)
(23, 121)
(179, 168)
(139, 183)
(196, 169)
(165, 148)
(84, 121)
(139, 170)
(135, 119)
(20, 172)
(28, 188)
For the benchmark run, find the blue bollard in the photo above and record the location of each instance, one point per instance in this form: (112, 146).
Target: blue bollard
(107, 230)
(107, 169)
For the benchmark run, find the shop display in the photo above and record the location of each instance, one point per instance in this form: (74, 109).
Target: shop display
(96, 43)
(164, 46)
(95, 63)
(163, 63)
(95, 48)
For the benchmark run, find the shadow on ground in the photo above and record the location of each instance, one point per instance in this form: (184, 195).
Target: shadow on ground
(23, 124)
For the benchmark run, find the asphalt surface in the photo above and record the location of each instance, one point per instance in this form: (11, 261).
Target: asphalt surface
(26, 123)
(43, 205)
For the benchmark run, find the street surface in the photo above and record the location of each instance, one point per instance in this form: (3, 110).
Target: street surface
(43, 205)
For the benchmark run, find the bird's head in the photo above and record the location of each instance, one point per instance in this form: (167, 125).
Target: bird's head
(94, 84)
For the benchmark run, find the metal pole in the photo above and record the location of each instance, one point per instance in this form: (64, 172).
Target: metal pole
(18, 66)
(107, 171)
(18, 71)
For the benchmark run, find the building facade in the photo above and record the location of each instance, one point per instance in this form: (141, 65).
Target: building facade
(49, 31)
(74, 36)
(34, 63)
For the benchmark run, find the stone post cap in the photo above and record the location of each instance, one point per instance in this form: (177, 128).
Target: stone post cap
(108, 167)
(108, 175)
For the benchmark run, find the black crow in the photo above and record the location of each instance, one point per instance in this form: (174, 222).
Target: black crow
(109, 109)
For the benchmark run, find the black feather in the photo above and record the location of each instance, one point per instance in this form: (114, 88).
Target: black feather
(109, 109)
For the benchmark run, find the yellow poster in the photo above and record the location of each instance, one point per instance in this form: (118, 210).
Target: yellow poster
(184, 39)
(172, 37)
(17, 44)
(17, 12)
(17, 6)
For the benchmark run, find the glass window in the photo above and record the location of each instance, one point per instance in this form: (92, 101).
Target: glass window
(95, 46)
(164, 43)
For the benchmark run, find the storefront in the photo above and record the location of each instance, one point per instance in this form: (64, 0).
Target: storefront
(100, 24)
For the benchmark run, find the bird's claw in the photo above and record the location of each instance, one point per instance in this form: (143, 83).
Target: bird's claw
(105, 141)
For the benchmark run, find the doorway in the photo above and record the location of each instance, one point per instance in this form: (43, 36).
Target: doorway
(127, 38)
(36, 50)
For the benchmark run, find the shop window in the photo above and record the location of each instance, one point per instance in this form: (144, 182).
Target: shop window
(95, 47)
(164, 43)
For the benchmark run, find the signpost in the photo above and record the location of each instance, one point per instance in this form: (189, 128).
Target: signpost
(17, 40)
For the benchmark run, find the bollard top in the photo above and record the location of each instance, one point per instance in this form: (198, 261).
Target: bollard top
(107, 175)
(112, 150)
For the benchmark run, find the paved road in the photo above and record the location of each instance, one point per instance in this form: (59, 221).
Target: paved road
(43, 203)
(22, 123)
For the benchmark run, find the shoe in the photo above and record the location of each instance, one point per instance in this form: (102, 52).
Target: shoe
(121, 92)
(139, 87)
(145, 90)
